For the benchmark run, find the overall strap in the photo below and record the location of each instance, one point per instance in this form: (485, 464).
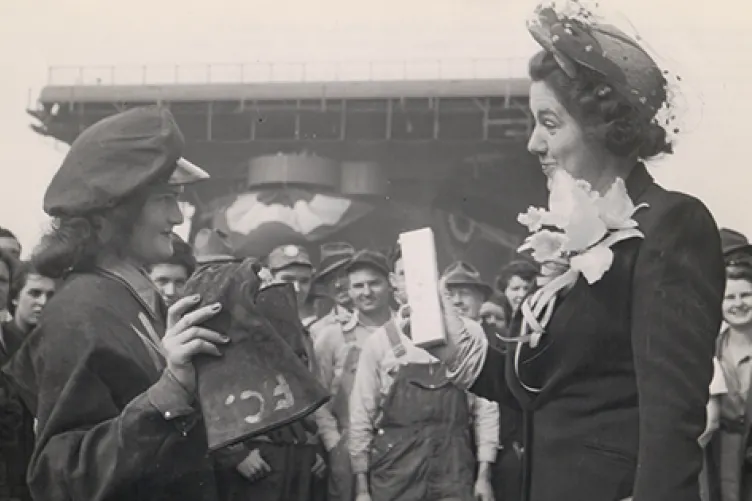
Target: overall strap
(394, 339)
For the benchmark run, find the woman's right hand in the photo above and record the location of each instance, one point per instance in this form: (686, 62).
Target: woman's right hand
(184, 339)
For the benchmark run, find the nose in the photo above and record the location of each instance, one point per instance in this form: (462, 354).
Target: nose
(296, 286)
(174, 214)
(169, 289)
(536, 145)
(42, 300)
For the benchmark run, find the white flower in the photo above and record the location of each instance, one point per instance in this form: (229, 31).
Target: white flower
(568, 198)
(584, 228)
(573, 208)
(534, 219)
(616, 208)
(593, 263)
(546, 245)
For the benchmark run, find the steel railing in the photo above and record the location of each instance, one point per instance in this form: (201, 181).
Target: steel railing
(263, 72)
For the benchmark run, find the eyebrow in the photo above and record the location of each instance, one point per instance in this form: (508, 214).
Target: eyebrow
(547, 112)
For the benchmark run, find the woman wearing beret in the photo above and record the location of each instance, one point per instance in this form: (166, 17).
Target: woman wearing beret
(108, 371)
(611, 371)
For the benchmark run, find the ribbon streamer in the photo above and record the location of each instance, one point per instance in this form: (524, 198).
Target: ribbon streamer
(538, 308)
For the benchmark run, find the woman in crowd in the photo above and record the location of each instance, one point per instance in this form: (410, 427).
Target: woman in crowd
(108, 371)
(734, 352)
(614, 393)
(515, 281)
(29, 293)
(16, 422)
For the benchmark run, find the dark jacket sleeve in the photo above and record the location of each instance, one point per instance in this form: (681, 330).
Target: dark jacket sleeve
(91, 447)
(491, 383)
(676, 315)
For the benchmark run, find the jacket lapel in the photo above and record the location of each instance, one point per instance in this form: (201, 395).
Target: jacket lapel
(638, 181)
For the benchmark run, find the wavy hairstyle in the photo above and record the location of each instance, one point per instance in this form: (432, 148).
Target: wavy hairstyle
(75, 243)
(12, 264)
(606, 116)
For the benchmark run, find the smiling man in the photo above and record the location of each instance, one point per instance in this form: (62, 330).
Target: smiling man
(338, 349)
(409, 427)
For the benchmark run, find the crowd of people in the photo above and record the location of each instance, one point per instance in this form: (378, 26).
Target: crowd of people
(608, 368)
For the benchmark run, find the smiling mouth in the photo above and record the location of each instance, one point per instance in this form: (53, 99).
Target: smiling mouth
(548, 168)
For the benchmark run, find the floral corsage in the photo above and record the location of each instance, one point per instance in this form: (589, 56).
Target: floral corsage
(572, 238)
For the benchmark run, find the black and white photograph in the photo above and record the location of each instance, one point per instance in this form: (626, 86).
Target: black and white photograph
(417, 250)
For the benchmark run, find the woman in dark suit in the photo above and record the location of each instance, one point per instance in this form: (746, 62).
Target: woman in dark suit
(613, 396)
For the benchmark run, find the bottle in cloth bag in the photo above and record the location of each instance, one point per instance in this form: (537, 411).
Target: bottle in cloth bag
(260, 383)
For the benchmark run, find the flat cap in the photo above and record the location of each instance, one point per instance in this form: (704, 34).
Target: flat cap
(369, 259)
(288, 255)
(116, 157)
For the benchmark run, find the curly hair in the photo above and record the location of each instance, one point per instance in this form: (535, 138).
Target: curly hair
(12, 264)
(606, 115)
(75, 243)
(526, 270)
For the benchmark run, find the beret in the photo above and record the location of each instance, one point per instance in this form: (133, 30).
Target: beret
(116, 157)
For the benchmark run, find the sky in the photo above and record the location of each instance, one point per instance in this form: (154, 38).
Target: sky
(708, 44)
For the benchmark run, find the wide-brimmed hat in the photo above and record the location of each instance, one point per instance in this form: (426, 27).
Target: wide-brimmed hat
(334, 256)
(212, 246)
(576, 39)
(733, 242)
(116, 157)
(461, 273)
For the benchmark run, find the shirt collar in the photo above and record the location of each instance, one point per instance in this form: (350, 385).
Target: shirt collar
(137, 279)
(354, 321)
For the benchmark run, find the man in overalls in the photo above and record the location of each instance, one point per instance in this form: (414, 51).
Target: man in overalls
(337, 351)
(468, 293)
(410, 428)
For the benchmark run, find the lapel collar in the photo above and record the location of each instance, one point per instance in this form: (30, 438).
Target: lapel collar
(638, 181)
(139, 284)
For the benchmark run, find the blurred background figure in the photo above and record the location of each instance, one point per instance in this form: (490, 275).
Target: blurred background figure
(10, 243)
(331, 286)
(170, 276)
(29, 293)
(496, 313)
(291, 264)
(16, 422)
(728, 467)
(212, 246)
(515, 281)
(12, 247)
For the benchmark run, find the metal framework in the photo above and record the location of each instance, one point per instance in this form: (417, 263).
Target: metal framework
(324, 120)
(288, 71)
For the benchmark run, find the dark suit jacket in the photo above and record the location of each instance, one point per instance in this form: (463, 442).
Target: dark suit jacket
(625, 364)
